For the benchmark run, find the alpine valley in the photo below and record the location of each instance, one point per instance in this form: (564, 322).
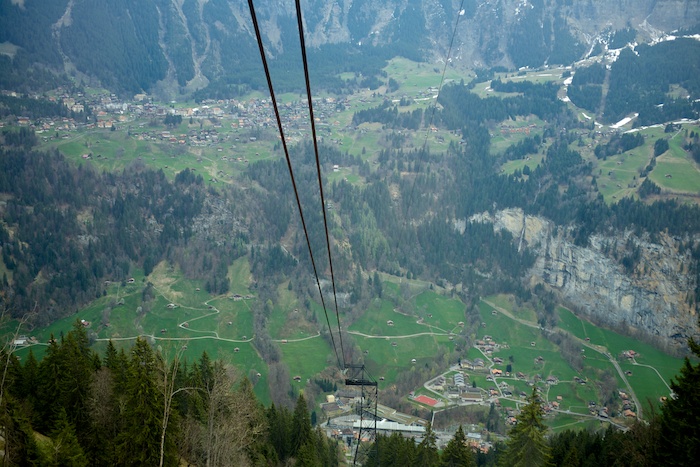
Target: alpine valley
(506, 183)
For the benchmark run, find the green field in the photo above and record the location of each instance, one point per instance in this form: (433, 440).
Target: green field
(223, 327)
(413, 76)
(531, 161)
(383, 359)
(675, 171)
(618, 175)
(376, 319)
(645, 381)
(307, 358)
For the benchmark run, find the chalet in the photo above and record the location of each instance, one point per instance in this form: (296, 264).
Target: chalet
(20, 341)
(552, 379)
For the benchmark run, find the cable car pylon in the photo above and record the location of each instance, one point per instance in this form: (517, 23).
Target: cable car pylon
(367, 448)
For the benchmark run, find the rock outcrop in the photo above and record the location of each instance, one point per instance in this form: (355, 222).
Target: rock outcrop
(648, 292)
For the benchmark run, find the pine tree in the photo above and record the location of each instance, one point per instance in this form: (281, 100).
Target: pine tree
(301, 425)
(279, 434)
(428, 455)
(77, 374)
(50, 373)
(65, 448)
(307, 456)
(680, 416)
(20, 447)
(30, 378)
(457, 453)
(139, 443)
(110, 360)
(527, 445)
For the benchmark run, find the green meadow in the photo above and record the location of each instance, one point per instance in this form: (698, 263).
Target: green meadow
(223, 327)
(618, 176)
(646, 382)
(413, 76)
(517, 344)
(676, 172)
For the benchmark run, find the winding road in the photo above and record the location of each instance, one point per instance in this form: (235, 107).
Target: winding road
(598, 348)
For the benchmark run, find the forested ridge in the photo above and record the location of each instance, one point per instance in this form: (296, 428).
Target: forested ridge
(207, 49)
(75, 229)
(641, 81)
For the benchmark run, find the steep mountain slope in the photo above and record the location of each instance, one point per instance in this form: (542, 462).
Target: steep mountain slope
(648, 296)
(181, 45)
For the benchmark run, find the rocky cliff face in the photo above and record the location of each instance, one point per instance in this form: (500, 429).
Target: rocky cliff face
(649, 294)
(486, 28)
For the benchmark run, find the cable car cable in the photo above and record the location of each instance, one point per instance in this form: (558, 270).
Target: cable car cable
(289, 166)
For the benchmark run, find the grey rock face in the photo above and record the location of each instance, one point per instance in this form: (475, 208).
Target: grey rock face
(649, 295)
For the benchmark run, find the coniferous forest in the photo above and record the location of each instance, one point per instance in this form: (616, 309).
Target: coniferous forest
(145, 406)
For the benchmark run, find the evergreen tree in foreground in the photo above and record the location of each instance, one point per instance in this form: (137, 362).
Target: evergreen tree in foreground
(457, 453)
(680, 416)
(428, 455)
(527, 445)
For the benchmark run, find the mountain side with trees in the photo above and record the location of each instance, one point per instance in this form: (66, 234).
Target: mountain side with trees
(170, 48)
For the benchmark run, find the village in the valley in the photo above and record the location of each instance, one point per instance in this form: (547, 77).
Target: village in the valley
(506, 392)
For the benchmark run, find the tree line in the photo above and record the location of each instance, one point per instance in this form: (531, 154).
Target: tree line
(142, 406)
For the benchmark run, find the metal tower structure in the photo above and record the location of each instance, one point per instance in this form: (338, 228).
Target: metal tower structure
(367, 410)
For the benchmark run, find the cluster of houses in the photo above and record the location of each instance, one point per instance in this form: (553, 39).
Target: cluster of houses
(108, 110)
(507, 129)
